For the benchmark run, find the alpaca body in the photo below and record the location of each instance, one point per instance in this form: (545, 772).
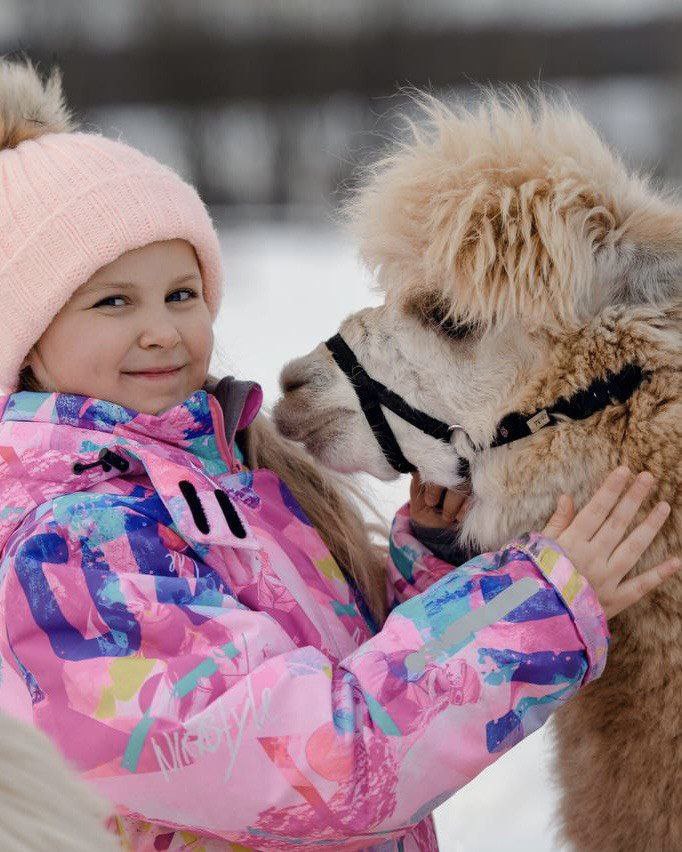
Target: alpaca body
(521, 262)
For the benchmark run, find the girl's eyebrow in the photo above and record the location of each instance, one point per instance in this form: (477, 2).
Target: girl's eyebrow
(129, 285)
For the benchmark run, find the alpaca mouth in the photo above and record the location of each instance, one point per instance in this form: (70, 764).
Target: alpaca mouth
(449, 547)
(321, 436)
(313, 432)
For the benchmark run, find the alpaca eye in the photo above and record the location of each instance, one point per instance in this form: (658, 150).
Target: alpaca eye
(456, 329)
(451, 326)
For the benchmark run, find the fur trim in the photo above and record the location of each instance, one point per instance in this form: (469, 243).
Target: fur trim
(29, 107)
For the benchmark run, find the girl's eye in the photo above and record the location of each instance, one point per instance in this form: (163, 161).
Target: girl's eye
(103, 303)
(192, 295)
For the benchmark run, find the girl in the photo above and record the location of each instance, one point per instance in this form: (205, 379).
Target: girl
(191, 610)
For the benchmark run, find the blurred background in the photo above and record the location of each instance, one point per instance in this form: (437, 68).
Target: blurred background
(267, 107)
(271, 108)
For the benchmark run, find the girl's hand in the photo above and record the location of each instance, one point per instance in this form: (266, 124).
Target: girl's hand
(434, 506)
(594, 539)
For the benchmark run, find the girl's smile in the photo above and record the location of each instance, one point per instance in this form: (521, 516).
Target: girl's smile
(157, 374)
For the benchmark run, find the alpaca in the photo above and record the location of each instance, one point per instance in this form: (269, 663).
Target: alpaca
(522, 263)
(43, 804)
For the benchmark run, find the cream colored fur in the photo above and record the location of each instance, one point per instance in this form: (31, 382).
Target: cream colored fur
(29, 106)
(43, 805)
(516, 218)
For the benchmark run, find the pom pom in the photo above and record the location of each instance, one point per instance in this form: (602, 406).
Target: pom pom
(29, 107)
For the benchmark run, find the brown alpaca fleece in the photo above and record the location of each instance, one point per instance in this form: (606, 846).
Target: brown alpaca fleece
(515, 231)
(622, 734)
(619, 755)
(520, 261)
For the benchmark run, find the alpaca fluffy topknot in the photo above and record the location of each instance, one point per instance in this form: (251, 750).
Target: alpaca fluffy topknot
(513, 207)
(29, 107)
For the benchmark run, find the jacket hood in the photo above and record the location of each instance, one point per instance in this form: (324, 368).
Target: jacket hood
(43, 435)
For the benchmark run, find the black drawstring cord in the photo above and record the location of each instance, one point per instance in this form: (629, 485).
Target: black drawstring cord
(108, 459)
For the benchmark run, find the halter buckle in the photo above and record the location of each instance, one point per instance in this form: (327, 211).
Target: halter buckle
(456, 427)
(538, 420)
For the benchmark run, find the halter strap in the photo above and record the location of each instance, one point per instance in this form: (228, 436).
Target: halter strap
(613, 388)
(372, 395)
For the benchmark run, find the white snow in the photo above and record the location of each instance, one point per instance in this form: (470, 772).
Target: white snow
(288, 288)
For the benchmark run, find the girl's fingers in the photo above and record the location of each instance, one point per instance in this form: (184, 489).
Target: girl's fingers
(613, 529)
(434, 505)
(593, 514)
(634, 590)
(459, 517)
(562, 517)
(452, 504)
(432, 494)
(630, 550)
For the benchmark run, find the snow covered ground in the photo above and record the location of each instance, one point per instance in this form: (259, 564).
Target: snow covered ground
(288, 288)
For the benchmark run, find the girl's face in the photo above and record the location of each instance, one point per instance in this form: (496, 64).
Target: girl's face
(143, 311)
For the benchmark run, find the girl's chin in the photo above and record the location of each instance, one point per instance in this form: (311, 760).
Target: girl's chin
(151, 401)
(161, 402)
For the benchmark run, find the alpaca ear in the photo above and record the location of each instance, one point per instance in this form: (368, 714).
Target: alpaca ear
(27, 360)
(649, 251)
(649, 274)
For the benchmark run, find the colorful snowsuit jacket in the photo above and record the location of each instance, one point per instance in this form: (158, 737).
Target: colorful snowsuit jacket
(181, 632)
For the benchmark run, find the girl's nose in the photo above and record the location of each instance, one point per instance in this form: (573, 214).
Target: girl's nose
(160, 333)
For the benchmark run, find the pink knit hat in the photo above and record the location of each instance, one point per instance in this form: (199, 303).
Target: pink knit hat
(70, 203)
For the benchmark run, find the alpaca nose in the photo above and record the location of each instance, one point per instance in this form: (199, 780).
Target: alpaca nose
(290, 384)
(294, 375)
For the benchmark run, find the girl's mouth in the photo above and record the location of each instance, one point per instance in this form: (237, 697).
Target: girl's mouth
(156, 375)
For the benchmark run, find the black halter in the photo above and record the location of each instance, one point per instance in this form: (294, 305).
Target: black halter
(372, 395)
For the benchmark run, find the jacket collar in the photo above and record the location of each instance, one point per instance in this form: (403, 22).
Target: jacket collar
(191, 425)
(239, 400)
(43, 434)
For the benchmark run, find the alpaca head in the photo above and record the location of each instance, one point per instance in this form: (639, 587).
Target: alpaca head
(519, 261)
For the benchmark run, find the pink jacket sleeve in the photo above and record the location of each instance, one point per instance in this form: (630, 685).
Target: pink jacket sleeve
(229, 729)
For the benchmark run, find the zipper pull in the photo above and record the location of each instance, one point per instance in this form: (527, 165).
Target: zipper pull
(108, 459)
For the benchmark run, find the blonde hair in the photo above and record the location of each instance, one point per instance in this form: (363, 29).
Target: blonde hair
(327, 500)
(331, 501)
